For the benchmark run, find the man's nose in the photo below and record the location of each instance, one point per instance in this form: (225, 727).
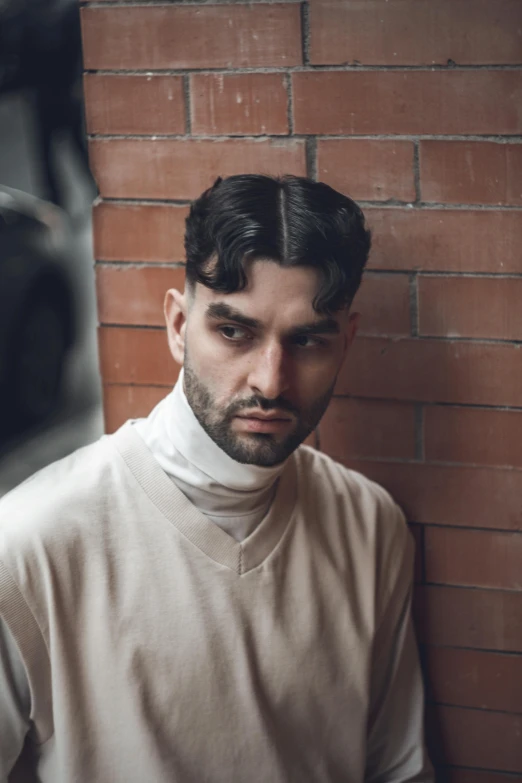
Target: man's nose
(269, 374)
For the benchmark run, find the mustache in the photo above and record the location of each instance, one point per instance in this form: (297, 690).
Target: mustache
(262, 402)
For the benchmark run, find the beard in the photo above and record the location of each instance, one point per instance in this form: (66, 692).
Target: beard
(262, 449)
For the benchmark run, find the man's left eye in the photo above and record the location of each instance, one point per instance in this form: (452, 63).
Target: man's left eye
(307, 341)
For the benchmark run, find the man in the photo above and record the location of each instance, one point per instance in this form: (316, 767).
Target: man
(198, 597)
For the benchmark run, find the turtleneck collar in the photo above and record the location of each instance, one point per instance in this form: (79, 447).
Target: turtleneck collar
(214, 482)
(198, 448)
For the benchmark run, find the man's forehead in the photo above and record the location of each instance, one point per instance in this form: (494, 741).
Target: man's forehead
(273, 293)
(268, 280)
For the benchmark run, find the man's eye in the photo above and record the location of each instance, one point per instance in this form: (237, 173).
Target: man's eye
(234, 333)
(307, 341)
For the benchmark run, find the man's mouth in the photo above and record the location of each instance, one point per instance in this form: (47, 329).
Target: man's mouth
(257, 421)
(272, 416)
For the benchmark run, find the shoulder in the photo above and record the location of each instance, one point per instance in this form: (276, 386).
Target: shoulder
(56, 500)
(352, 508)
(323, 476)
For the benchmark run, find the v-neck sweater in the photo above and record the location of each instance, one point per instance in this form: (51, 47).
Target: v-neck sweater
(208, 537)
(158, 648)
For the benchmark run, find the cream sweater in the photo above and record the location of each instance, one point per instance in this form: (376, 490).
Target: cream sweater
(158, 648)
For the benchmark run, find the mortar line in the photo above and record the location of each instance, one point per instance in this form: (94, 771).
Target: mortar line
(305, 32)
(190, 3)
(416, 171)
(188, 104)
(485, 138)
(414, 304)
(315, 68)
(311, 157)
(419, 431)
(438, 404)
(287, 81)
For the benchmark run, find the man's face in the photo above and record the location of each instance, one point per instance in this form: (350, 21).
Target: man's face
(260, 364)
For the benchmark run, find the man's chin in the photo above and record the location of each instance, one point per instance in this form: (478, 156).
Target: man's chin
(262, 450)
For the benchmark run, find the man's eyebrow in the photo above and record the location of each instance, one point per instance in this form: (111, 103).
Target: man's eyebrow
(325, 326)
(218, 311)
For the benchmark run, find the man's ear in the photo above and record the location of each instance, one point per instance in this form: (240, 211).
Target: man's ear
(175, 309)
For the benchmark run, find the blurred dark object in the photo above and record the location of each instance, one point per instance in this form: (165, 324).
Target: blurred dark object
(37, 310)
(41, 51)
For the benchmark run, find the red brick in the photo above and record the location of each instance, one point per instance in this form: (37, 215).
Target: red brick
(471, 307)
(479, 738)
(129, 402)
(410, 102)
(473, 558)
(135, 296)
(461, 240)
(471, 172)
(134, 104)
(458, 617)
(433, 371)
(136, 356)
(440, 495)
(366, 169)
(384, 303)
(368, 428)
(472, 678)
(198, 36)
(456, 775)
(174, 169)
(473, 435)
(415, 32)
(139, 232)
(488, 371)
(127, 295)
(239, 104)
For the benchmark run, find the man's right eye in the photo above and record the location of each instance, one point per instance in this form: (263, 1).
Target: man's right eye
(234, 333)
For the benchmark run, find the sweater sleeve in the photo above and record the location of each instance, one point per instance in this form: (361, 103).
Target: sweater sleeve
(15, 702)
(25, 678)
(396, 751)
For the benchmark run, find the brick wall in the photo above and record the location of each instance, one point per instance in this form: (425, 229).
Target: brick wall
(412, 107)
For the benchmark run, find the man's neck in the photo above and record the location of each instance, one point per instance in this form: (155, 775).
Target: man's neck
(232, 494)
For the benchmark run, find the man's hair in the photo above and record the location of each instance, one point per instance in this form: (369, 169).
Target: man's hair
(290, 220)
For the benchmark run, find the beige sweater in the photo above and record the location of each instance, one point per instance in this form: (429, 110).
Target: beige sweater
(160, 649)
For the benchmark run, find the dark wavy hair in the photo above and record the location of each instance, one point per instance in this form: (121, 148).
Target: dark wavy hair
(293, 221)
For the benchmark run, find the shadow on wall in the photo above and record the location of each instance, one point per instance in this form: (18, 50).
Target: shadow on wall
(49, 377)
(40, 51)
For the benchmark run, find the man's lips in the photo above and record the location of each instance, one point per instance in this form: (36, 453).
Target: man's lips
(263, 422)
(276, 416)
